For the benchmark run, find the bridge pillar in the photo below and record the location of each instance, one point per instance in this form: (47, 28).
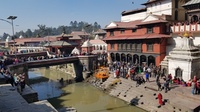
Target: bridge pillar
(89, 64)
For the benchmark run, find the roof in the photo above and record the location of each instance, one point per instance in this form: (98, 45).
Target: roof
(80, 33)
(131, 24)
(87, 44)
(58, 43)
(191, 2)
(132, 37)
(75, 37)
(100, 31)
(21, 40)
(152, 22)
(152, 19)
(150, 1)
(97, 41)
(75, 51)
(134, 11)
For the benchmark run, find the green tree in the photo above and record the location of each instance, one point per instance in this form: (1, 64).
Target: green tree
(29, 33)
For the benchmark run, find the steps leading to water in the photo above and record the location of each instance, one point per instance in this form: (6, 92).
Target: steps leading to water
(144, 96)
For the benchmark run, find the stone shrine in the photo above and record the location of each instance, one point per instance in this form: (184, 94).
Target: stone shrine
(184, 59)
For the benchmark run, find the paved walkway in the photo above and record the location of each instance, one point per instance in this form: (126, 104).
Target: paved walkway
(179, 98)
(12, 101)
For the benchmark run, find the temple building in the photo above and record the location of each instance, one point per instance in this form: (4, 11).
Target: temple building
(138, 41)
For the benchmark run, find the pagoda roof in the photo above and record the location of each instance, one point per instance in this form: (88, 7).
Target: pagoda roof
(58, 43)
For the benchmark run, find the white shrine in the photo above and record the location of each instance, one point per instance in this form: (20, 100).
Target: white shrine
(184, 59)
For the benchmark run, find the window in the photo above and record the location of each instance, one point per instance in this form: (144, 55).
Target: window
(149, 29)
(138, 47)
(111, 33)
(124, 46)
(149, 47)
(133, 46)
(128, 46)
(119, 46)
(100, 47)
(104, 47)
(122, 31)
(134, 30)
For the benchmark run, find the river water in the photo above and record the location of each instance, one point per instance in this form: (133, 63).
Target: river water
(82, 96)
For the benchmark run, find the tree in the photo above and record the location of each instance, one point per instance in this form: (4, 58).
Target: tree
(29, 33)
(5, 35)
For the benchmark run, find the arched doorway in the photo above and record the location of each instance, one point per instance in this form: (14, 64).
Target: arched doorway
(143, 59)
(135, 59)
(194, 18)
(164, 70)
(117, 57)
(151, 60)
(178, 73)
(129, 58)
(112, 57)
(123, 57)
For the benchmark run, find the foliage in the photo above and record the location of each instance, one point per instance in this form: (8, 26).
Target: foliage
(43, 30)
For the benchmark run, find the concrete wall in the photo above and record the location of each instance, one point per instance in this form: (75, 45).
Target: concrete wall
(163, 7)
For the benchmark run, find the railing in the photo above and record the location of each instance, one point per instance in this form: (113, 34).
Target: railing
(185, 28)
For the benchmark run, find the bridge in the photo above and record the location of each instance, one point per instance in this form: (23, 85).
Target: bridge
(89, 61)
(31, 54)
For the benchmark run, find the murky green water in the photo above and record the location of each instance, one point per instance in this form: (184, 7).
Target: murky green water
(82, 96)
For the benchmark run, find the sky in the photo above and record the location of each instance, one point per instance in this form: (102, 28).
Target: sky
(54, 13)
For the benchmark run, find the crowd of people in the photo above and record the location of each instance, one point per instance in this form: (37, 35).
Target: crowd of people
(16, 80)
(142, 74)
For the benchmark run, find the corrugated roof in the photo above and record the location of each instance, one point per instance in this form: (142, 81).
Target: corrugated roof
(134, 11)
(192, 2)
(151, 1)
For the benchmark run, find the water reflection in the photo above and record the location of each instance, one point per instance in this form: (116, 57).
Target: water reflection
(82, 96)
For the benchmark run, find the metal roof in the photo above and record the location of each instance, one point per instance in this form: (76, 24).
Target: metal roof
(191, 2)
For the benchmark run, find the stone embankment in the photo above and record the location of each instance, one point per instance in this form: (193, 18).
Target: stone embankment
(66, 68)
(178, 99)
(12, 101)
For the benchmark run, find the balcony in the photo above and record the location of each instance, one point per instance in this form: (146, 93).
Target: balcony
(179, 28)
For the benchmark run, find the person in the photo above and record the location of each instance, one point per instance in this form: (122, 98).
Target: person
(193, 85)
(137, 81)
(22, 82)
(147, 76)
(159, 85)
(160, 99)
(166, 85)
(198, 87)
(11, 80)
(61, 81)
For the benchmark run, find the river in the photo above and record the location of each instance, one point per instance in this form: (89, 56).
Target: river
(82, 96)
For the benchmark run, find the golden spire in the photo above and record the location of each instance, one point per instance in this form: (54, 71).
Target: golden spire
(186, 34)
